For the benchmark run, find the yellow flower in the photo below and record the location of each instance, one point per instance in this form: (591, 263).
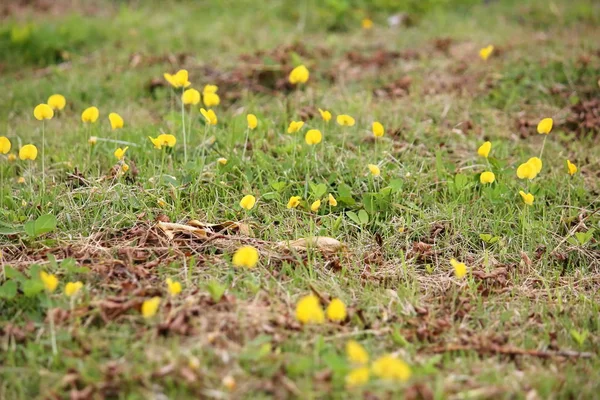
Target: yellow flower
(374, 170)
(90, 115)
(120, 153)
(43, 111)
(314, 207)
(150, 307)
(180, 79)
(116, 121)
(484, 149)
(527, 197)
(487, 177)
(252, 121)
(125, 167)
(332, 201)
(209, 116)
(28, 152)
(173, 287)
(211, 99)
(336, 310)
(294, 202)
(545, 126)
(191, 96)
(248, 202)
(486, 52)
(5, 145)
(72, 288)
(57, 101)
(366, 23)
(356, 353)
(389, 367)
(92, 140)
(222, 161)
(526, 171)
(345, 120)
(326, 115)
(357, 377)
(378, 130)
(313, 136)
(163, 139)
(536, 164)
(571, 168)
(210, 89)
(245, 256)
(295, 126)
(50, 281)
(299, 74)
(309, 311)
(460, 269)
(21, 180)
(11, 157)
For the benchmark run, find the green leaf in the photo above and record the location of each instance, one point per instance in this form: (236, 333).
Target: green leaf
(319, 190)
(278, 186)
(579, 337)
(363, 216)
(216, 290)
(271, 196)
(396, 185)
(32, 287)
(461, 181)
(8, 290)
(354, 217)
(12, 273)
(43, 224)
(344, 191)
(369, 201)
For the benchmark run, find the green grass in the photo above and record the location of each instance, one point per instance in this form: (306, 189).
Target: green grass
(532, 283)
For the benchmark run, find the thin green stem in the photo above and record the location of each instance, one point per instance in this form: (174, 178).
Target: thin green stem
(183, 128)
(543, 145)
(245, 143)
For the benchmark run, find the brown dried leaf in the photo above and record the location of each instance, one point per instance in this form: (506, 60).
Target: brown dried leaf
(170, 229)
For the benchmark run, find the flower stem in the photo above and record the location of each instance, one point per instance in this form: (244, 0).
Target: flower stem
(245, 143)
(543, 145)
(183, 128)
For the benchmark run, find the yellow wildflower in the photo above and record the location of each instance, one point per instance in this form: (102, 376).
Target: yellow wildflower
(571, 168)
(72, 288)
(527, 198)
(545, 126)
(536, 164)
(357, 377)
(526, 171)
(210, 89)
(43, 111)
(336, 310)
(299, 74)
(252, 121)
(248, 202)
(28, 152)
(356, 353)
(21, 180)
(50, 281)
(484, 149)
(120, 153)
(173, 287)
(345, 120)
(5, 145)
(190, 96)
(57, 101)
(487, 177)
(313, 136)
(326, 115)
(331, 200)
(163, 139)
(460, 269)
(309, 311)
(210, 99)
(11, 157)
(125, 168)
(150, 307)
(180, 79)
(374, 169)
(293, 202)
(367, 23)
(116, 121)
(222, 160)
(314, 207)
(295, 126)
(485, 52)
(378, 130)
(389, 367)
(209, 116)
(245, 256)
(90, 115)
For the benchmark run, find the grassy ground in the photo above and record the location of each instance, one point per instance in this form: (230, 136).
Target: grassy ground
(523, 322)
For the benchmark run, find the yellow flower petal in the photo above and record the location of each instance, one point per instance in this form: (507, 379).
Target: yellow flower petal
(72, 288)
(57, 101)
(487, 177)
(248, 202)
(571, 168)
(252, 121)
(336, 310)
(313, 136)
(116, 121)
(293, 202)
(28, 152)
(378, 130)
(545, 126)
(190, 96)
(90, 115)
(245, 256)
(345, 120)
(150, 307)
(484, 149)
(42, 112)
(309, 311)
(50, 281)
(5, 145)
(299, 74)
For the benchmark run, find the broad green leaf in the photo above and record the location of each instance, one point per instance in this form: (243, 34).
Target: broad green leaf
(33, 287)
(363, 216)
(43, 224)
(354, 217)
(8, 290)
(12, 273)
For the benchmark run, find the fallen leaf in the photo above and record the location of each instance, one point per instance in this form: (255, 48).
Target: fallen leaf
(170, 229)
(323, 243)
